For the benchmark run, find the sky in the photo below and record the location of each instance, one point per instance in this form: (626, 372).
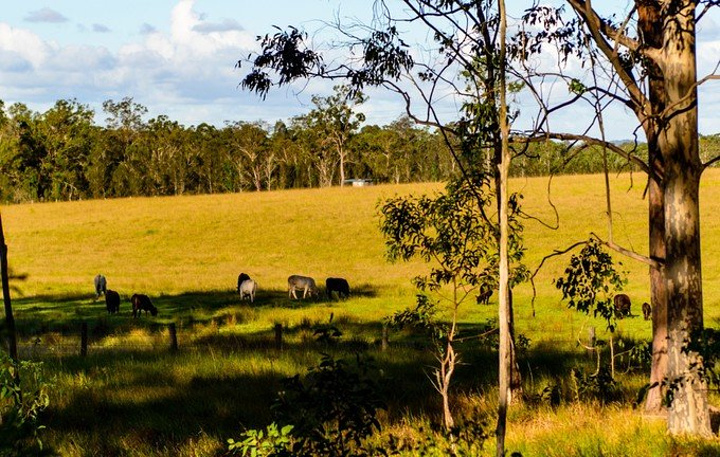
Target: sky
(177, 57)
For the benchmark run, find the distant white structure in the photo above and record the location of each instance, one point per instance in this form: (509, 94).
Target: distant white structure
(358, 182)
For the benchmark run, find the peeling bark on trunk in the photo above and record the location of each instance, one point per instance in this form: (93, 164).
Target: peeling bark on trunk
(688, 412)
(678, 141)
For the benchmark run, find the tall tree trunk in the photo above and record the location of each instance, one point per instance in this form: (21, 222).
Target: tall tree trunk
(658, 296)
(678, 141)
(505, 359)
(688, 412)
(9, 319)
(651, 27)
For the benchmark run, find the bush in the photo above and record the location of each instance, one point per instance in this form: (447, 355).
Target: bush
(23, 396)
(331, 412)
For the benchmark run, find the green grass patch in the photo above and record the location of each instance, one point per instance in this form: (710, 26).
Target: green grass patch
(132, 396)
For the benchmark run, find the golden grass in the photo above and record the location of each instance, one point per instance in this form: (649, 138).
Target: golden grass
(186, 253)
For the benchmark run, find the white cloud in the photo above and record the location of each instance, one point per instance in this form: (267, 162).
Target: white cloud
(26, 44)
(226, 25)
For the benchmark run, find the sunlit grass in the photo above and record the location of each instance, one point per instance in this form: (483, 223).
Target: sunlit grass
(186, 253)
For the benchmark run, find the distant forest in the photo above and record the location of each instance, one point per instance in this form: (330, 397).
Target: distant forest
(62, 154)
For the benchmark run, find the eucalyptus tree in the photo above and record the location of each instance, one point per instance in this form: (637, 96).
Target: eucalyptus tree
(466, 61)
(69, 135)
(248, 151)
(460, 246)
(335, 119)
(110, 173)
(644, 60)
(210, 165)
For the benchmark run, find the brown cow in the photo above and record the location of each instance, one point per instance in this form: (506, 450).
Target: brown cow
(647, 311)
(141, 302)
(622, 305)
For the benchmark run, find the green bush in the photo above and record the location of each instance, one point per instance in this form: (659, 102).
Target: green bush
(23, 396)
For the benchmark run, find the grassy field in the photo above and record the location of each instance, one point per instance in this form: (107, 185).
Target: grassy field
(186, 254)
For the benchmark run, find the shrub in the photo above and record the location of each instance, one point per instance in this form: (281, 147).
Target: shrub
(23, 396)
(331, 412)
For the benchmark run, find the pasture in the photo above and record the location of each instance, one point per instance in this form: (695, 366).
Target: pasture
(131, 396)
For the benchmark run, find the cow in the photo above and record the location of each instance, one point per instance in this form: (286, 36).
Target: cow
(339, 285)
(304, 283)
(112, 301)
(647, 310)
(100, 286)
(622, 305)
(242, 277)
(141, 302)
(247, 289)
(483, 297)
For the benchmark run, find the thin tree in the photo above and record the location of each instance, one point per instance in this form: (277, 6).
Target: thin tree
(9, 319)
(465, 63)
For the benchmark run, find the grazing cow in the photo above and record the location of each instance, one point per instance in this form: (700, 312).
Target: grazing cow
(112, 301)
(483, 297)
(100, 286)
(647, 311)
(242, 277)
(339, 285)
(141, 302)
(304, 283)
(622, 305)
(247, 289)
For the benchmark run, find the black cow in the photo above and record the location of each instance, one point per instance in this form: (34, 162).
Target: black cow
(483, 297)
(622, 305)
(112, 301)
(339, 285)
(141, 302)
(100, 286)
(647, 311)
(241, 278)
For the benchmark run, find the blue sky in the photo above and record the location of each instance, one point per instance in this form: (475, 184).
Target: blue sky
(176, 57)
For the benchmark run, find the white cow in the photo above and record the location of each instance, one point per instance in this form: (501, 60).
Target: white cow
(304, 283)
(247, 289)
(100, 286)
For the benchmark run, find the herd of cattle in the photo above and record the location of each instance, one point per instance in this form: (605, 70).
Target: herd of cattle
(139, 302)
(246, 287)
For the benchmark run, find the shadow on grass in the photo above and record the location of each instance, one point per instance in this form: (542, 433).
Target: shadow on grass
(137, 396)
(65, 313)
(149, 403)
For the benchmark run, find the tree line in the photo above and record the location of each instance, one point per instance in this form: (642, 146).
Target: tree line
(62, 154)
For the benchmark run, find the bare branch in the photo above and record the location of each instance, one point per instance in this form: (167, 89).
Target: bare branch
(555, 253)
(542, 136)
(654, 263)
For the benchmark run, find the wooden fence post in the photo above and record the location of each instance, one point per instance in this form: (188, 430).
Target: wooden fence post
(384, 338)
(173, 337)
(83, 339)
(592, 341)
(278, 336)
